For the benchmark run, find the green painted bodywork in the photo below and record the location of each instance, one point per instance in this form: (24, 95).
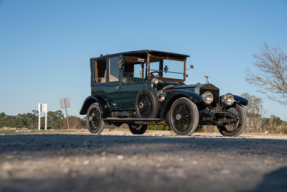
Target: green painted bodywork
(120, 95)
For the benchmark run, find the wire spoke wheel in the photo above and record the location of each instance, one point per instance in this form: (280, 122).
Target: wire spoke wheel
(94, 120)
(233, 126)
(145, 105)
(236, 128)
(182, 117)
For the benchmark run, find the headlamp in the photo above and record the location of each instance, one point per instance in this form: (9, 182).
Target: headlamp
(155, 81)
(207, 97)
(228, 99)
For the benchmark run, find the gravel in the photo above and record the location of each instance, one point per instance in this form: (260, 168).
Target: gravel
(119, 161)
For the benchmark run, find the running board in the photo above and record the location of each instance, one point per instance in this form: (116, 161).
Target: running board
(131, 119)
(138, 121)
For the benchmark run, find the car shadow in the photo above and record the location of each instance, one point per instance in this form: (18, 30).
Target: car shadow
(275, 181)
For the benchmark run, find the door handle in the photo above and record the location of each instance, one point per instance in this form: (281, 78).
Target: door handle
(117, 87)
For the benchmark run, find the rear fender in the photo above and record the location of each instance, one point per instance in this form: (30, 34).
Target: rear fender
(194, 97)
(105, 110)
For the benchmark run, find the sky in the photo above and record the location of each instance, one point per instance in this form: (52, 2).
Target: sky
(45, 46)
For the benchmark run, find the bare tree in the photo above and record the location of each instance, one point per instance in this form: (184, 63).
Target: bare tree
(255, 111)
(255, 104)
(272, 76)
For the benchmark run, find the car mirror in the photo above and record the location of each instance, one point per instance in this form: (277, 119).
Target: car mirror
(166, 69)
(190, 67)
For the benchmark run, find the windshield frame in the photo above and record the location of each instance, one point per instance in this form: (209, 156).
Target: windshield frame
(164, 78)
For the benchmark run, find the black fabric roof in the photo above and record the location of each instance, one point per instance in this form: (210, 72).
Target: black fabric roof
(142, 52)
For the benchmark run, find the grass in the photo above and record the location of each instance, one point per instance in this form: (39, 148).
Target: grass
(7, 131)
(56, 130)
(39, 131)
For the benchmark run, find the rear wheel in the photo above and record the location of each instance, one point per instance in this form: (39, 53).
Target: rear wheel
(138, 129)
(118, 124)
(94, 120)
(236, 128)
(183, 116)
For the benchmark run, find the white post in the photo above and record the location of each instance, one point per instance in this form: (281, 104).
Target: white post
(46, 120)
(67, 114)
(64, 104)
(45, 110)
(39, 121)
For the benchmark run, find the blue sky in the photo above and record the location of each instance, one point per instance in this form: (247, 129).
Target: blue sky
(45, 46)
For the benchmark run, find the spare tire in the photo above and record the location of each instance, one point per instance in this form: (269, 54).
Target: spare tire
(147, 103)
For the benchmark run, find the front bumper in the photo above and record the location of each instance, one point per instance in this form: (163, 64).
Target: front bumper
(216, 116)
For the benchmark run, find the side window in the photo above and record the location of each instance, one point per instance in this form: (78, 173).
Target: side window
(139, 70)
(134, 67)
(114, 69)
(100, 71)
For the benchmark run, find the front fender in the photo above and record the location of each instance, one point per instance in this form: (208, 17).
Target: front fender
(194, 97)
(240, 100)
(95, 99)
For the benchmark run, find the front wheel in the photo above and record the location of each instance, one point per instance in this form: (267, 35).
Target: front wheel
(183, 116)
(138, 129)
(94, 120)
(235, 129)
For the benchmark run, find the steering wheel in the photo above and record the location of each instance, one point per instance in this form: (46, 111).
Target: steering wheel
(153, 74)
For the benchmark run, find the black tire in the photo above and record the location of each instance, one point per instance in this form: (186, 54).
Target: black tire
(138, 129)
(183, 116)
(147, 103)
(118, 124)
(94, 120)
(236, 129)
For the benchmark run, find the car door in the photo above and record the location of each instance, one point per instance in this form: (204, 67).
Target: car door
(130, 86)
(113, 83)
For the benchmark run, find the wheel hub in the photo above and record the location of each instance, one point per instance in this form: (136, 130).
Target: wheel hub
(141, 105)
(178, 117)
(90, 118)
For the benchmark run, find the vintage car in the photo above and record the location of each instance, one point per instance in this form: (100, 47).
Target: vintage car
(142, 88)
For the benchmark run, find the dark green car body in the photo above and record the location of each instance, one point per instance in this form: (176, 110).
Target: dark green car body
(115, 87)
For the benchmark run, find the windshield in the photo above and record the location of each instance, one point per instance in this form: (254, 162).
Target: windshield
(167, 69)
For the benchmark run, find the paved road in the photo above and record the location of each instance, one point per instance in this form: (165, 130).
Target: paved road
(153, 162)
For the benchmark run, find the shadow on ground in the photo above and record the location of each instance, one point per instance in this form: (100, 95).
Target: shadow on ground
(275, 181)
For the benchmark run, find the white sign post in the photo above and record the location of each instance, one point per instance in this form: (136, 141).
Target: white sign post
(64, 104)
(42, 108)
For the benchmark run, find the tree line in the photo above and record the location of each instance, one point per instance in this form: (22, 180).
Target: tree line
(55, 120)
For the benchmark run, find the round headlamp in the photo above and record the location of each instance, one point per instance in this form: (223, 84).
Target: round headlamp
(155, 81)
(207, 97)
(161, 98)
(228, 99)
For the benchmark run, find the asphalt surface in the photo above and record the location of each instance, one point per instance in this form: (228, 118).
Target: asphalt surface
(117, 161)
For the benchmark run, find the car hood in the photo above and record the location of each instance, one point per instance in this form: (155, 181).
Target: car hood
(193, 87)
(196, 88)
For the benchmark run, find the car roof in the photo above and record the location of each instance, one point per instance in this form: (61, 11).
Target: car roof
(140, 53)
